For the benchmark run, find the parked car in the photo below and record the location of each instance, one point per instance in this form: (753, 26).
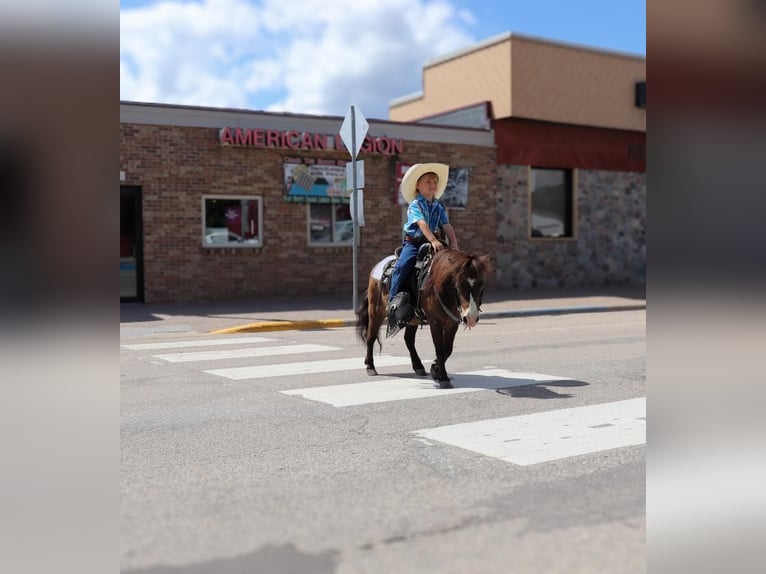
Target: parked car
(218, 237)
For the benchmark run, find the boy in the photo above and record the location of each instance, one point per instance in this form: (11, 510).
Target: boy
(422, 186)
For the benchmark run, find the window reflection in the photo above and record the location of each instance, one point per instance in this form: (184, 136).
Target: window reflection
(551, 202)
(330, 223)
(232, 221)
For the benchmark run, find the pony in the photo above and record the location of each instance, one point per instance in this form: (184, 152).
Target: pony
(449, 297)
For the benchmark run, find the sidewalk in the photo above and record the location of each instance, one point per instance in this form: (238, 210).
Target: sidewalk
(251, 316)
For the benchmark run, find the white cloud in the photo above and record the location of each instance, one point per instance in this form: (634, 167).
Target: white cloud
(301, 56)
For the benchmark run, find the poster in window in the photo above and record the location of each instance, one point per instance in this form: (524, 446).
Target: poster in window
(309, 180)
(455, 194)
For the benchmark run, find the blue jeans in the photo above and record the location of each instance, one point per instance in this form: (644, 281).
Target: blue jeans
(403, 268)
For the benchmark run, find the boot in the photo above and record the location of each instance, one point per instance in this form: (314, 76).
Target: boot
(394, 303)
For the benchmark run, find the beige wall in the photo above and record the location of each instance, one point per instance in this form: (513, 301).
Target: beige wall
(559, 83)
(481, 75)
(531, 78)
(484, 75)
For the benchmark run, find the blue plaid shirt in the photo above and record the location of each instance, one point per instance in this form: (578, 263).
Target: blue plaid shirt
(432, 213)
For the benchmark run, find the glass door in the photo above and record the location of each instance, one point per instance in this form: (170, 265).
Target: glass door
(131, 260)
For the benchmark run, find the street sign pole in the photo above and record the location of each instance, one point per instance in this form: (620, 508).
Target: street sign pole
(355, 246)
(354, 129)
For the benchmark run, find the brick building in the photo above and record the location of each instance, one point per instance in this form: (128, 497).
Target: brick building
(546, 147)
(226, 204)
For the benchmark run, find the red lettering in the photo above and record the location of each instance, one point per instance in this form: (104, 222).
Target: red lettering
(386, 145)
(272, 138)
(306, 141)
(292, 139)
(243, 139)
(224, 136)
(320, 141)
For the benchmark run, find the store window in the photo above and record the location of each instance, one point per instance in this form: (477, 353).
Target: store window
(330, 223)
(232, 221)
(551, 203)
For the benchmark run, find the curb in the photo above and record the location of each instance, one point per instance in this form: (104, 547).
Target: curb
(565, 310)
(284, 326)
(264, 326)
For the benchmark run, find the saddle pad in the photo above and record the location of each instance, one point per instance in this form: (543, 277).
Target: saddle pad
(377, 271)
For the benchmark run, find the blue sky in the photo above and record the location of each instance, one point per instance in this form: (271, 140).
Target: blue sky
(319, 56)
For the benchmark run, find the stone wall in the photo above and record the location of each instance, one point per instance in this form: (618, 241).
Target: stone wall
(609, 247)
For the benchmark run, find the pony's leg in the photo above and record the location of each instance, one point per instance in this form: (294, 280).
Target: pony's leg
(448, 338)
(438, 371)
(409, 339)
(368, 360)
(376, 308)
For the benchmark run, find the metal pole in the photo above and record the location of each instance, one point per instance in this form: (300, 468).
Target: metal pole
(355, 214)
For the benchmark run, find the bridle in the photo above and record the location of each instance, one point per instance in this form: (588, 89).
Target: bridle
(444, 307)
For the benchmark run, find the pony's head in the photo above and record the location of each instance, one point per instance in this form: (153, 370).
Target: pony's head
(464, 274)
(470, 288)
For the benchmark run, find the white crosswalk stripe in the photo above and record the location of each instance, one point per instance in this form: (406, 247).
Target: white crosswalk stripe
(304, 368)
(551, 435)
(412, 388)
(243, 353)
(196, 343)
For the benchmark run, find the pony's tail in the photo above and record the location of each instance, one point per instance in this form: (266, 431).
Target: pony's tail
(363, 316)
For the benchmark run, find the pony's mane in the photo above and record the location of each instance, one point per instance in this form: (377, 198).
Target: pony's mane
(449, 265)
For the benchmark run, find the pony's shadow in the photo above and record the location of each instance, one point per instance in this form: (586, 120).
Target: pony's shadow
(540, 390)
(519, 387)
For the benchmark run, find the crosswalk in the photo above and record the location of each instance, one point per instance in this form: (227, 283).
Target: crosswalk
(395, 389)
(521, 440)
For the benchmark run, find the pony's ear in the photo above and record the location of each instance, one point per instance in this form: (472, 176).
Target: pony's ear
(486, 264)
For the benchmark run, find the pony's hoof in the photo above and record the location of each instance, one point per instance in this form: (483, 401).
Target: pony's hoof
(371, 372)
(445, 384)
(420, 372)
(434, 374)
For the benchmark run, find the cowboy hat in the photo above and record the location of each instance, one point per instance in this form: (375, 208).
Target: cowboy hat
(410, 179)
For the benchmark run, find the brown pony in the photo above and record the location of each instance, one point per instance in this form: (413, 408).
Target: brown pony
(450, 296)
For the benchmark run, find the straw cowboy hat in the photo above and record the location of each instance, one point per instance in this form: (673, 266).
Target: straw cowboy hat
(410, 179)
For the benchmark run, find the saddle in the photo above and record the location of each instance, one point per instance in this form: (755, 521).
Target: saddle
(407, 304)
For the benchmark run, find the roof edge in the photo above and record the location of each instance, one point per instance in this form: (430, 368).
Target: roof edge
(406, 99)
(539, 39)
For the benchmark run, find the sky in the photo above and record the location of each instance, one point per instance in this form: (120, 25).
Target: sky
(320, 56)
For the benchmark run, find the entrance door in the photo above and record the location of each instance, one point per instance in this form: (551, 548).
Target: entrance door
(131, 258)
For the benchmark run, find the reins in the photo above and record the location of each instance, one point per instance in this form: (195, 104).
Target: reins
(444, 307)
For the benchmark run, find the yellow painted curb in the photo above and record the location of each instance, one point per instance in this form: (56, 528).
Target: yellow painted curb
(281, 326)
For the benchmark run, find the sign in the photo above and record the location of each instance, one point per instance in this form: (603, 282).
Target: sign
(354, 130)
(357, 208)
(301, 140)
(312, 180)
(359, 174)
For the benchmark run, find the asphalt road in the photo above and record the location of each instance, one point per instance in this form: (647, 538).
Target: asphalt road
(276, 453)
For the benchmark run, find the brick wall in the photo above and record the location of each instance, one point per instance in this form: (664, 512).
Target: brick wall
(175, 166)
(610, 243)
